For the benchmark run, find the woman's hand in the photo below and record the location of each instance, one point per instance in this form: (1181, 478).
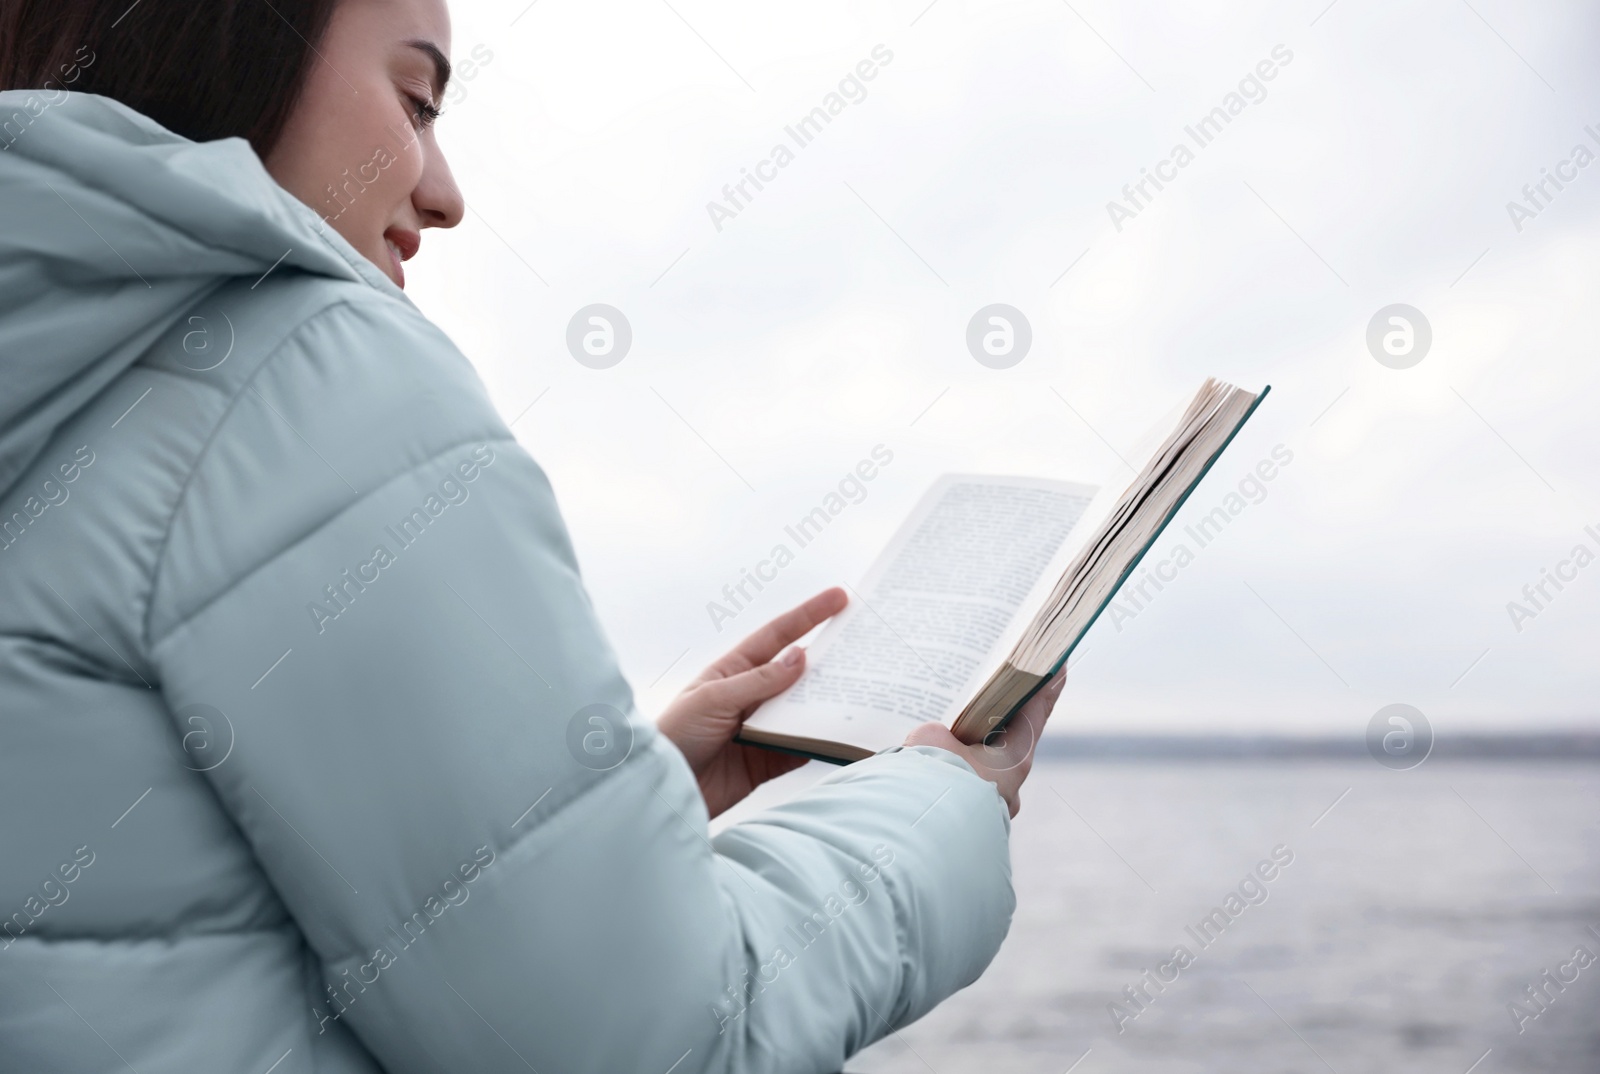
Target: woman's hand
(1005, 762)
(703, 719)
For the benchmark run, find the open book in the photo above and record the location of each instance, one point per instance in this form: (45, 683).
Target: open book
(982, 595)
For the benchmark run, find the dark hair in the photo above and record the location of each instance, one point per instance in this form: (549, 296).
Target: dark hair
(204, 69)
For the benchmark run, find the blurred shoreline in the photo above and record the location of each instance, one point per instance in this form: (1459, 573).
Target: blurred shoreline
(1541, 746)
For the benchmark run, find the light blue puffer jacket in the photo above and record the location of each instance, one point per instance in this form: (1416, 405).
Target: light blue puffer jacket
(296, 674)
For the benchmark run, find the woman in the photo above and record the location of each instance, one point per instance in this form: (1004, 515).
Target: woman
(314, 755)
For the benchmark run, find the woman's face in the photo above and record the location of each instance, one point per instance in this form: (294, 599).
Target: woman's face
(359, 145)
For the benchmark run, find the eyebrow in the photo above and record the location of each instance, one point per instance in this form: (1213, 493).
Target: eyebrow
(441, 64)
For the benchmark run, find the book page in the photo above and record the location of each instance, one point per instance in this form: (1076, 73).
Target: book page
(928, 618)
(1110, 549)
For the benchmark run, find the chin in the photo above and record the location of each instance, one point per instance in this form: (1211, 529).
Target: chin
(385, 265)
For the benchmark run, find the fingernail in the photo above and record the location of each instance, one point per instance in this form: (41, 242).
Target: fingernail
(793, 656)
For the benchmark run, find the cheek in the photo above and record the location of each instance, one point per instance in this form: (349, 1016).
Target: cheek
(317, 136)
(384, 170)
(353, 159)
(379, 165)
(399, 167)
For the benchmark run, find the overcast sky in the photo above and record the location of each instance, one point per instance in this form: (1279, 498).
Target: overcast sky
(829, 315)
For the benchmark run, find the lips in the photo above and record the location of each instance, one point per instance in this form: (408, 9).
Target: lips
(402, 246)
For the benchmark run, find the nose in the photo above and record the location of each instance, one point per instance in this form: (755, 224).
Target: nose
(437, 199)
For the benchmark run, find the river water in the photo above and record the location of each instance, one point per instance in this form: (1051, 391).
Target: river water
(1416, 909)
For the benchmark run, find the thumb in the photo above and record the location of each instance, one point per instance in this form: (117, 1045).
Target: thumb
(933, 734)
(737, 693)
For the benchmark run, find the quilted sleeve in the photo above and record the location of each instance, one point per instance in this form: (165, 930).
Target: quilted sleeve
(497, 863)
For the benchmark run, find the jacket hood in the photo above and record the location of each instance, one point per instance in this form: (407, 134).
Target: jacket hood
(114, 227)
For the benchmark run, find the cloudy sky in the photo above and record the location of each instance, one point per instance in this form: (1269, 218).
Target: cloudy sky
(829, 315)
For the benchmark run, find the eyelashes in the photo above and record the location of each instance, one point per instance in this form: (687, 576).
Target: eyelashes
(424, 111)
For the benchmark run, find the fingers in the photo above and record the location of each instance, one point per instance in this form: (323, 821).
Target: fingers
(1010, 753)
(786, 629)
(1050, 692)
(987, 761)
(933, 734)
(1005, 778)
(736, 693)
(1039, 707)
